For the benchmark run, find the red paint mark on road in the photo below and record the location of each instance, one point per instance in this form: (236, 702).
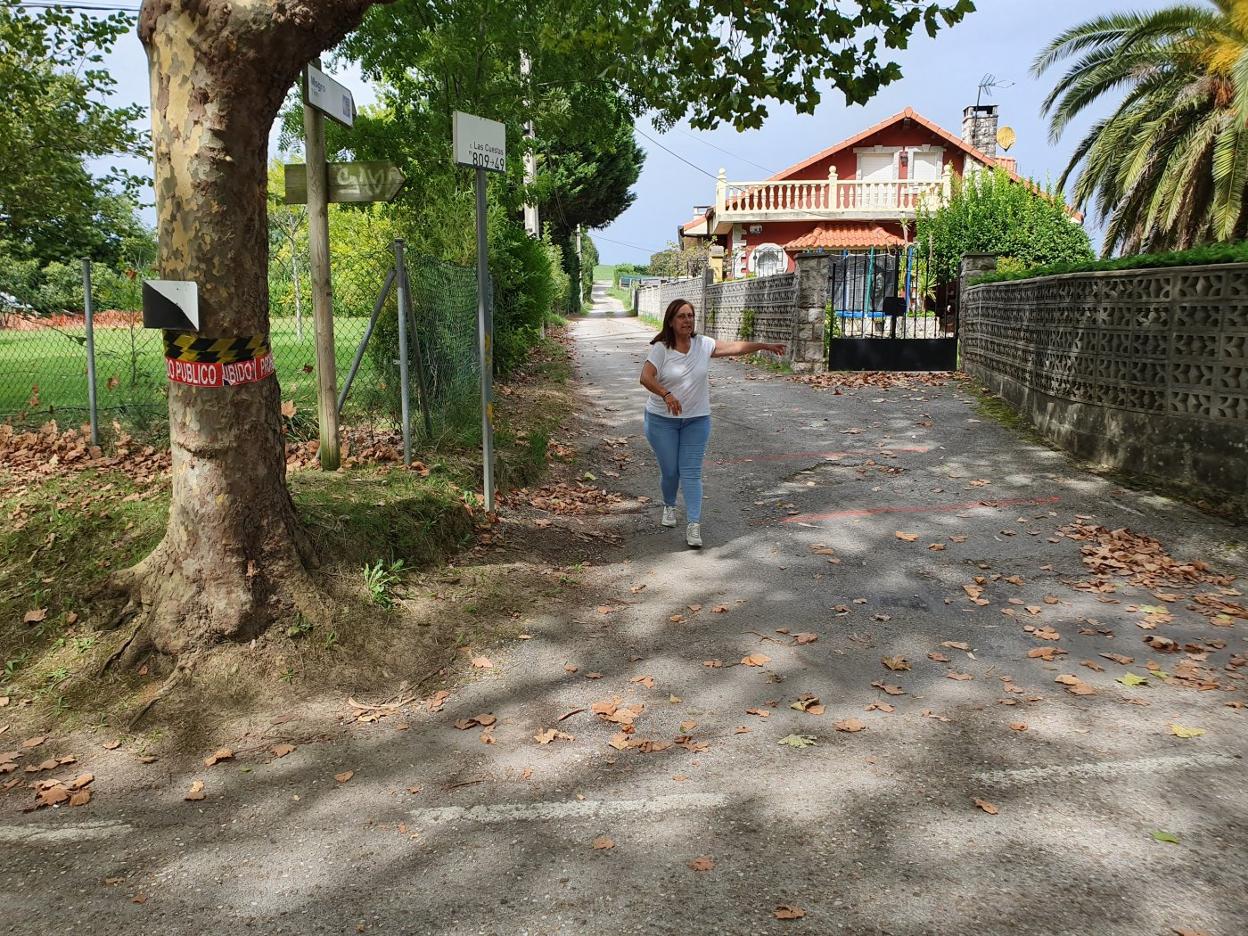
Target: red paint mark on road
(792, 456)
(924, 508)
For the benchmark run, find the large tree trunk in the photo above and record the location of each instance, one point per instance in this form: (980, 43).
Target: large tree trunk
(234, 555)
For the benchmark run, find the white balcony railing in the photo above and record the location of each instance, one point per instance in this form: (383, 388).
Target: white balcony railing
(825, 198)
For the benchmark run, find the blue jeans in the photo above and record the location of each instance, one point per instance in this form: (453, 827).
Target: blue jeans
(680, 445)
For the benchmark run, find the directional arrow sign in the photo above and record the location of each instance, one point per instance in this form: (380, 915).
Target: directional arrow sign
(329, 97)
(171, 304)
(348, 182)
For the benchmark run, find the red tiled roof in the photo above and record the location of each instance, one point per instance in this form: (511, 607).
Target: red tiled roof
(848, 235)
(1009, 164)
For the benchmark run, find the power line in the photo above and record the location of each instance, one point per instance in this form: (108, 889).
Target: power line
(725, 151)
(650, 250)
(709, 175)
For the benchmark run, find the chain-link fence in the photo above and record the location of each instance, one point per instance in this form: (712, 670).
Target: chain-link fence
(43, 356)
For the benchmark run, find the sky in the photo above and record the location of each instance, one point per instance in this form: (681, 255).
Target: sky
(940, 77)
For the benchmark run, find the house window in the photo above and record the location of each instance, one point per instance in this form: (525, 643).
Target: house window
(768, 260)
(876, 167)
(925, 166)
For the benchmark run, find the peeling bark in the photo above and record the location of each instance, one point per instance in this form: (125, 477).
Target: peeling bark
(234, 554)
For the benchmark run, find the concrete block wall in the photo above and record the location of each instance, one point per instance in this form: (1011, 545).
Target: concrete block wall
(1143, 370)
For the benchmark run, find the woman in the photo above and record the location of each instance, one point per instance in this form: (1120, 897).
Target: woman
(678, 411)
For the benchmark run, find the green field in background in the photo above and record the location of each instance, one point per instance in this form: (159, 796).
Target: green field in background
(55, 361)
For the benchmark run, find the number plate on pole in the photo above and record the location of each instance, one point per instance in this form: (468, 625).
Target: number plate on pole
(480, 143)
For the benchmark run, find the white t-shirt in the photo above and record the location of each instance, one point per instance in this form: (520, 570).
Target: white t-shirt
(685, 375)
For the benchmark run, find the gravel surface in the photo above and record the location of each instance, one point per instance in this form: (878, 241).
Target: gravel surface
(862, 831)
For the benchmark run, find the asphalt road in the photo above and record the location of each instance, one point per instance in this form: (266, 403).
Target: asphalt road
(873, 831)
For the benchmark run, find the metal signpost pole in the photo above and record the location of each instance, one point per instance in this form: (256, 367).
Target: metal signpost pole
(485, 344)
(88, 312)
(482, 145)
(322, 292)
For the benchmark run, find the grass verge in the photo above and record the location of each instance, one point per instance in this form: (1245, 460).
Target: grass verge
(383, 533)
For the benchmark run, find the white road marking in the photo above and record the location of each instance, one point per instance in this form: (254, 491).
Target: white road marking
(1104, 769)
(569, 809)
(57, 835)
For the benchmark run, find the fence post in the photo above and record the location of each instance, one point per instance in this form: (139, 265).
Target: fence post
(88, 313)
(420, 355)
(403, 377)
(806, 348)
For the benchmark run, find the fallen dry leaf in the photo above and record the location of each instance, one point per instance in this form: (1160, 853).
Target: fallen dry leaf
(960, 677)
(703, 863)
(646, 681)
(36, 616)
(896, 663)
(890, 689)
(1018, 726)
(1092, 665)
(482, 662)
(805, 638)
(603, 842)
(80, 798)
(956, 645)
(288, 409)
(880, 707)
(756, 659)
(220, 754)
(550, 734)
(1179, 731)
(34, 742)
(345, 776)
(1045, 653)
(986, 806)
(1118, 658)
(906, 537)
(787, 912)
(111, 745)
(196, 792)
(850, 725)
(760, 712)
(281, 750)
(1075, 685)
(937, 657)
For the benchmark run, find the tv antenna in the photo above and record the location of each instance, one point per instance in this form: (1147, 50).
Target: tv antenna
(990, 82)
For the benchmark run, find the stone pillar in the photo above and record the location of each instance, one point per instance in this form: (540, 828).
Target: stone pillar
(972, 265)
(806, 352)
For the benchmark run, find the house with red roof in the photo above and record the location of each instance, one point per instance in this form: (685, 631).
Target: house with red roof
(860, 194)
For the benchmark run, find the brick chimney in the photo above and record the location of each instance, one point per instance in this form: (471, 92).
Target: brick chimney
(979, 128)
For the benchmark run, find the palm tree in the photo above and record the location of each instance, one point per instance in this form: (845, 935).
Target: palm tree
(1169, 168)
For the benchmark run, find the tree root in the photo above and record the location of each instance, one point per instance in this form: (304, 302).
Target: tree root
(180, 674)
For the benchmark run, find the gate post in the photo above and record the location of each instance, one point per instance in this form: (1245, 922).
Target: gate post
(806, 349)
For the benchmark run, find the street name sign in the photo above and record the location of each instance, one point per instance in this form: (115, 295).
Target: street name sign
(348, 182)
(479, 143)
(171, 304)
(329, 97)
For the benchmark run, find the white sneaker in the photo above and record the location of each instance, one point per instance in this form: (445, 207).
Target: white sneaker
(669, 517)
(693, 535)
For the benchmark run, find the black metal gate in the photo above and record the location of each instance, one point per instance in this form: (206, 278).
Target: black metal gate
(876, 320)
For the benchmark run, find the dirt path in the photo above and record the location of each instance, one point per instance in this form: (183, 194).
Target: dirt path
(823, 510)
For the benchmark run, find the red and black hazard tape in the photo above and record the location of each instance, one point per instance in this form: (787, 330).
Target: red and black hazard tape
(217, 362)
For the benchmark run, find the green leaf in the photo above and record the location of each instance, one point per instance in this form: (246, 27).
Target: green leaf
(1130, 679)
(798, 741)
(1161, 836)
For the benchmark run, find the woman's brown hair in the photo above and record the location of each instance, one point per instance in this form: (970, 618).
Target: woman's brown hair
(667, 336)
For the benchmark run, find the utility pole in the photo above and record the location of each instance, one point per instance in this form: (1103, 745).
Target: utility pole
(579, 273)
(322, 290)
(532, 224)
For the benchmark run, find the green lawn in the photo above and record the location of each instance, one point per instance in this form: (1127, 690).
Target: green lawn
(130, 371)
